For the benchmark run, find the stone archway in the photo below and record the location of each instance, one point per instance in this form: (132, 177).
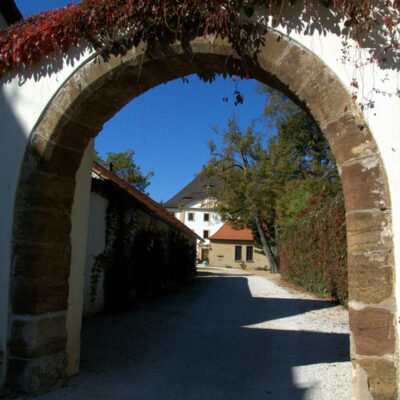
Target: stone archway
(92, 95)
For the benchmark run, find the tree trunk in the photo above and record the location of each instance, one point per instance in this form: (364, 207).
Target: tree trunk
(267, 250)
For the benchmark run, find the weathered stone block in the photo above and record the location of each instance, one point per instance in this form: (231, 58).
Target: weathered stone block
(349, 137)
(37, 296)
(370, 277)
(53, 159)
(38, 375)
(273, 48)
(305, 64)
(43, 190)
(39, 225)
(322, 94)
(364, 184)
(382, 378)
(48, 261)
(73, 135)
(369, 231)
(32, 339)
(373, 331)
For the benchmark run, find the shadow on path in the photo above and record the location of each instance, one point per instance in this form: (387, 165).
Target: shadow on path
(193, 345)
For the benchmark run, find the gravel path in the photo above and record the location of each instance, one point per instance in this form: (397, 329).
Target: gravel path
(225, 336)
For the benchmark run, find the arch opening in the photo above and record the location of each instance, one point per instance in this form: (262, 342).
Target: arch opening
(43, 222)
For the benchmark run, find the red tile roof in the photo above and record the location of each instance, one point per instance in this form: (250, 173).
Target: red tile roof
(147, 202)
(226, 232)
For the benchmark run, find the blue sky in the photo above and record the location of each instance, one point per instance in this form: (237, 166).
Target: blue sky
(169, 126)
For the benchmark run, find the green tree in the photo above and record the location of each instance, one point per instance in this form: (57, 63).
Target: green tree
(265, 185)
(302, 163)
(241, 186)
(96, 157)
(124, 166)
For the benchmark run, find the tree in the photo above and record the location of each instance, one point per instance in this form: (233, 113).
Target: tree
(301, 161)
(242, 187)
(125, 167)
(264, 184)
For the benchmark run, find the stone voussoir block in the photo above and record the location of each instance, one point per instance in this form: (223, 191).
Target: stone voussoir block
(370, 277)
(53, 159)
(70, 96)
(373, 331)
(38, 296)
(305, 65)
(43, 225)
(369, 231)
(46, 191)
(272, 50)
(37, 375)
(31, 339)
(349, 137)
(324, 97)
(48, 261)
(364, 184)
(68, 133)
(382, 378)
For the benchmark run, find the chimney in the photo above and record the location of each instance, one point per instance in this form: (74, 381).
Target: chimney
(107, 165)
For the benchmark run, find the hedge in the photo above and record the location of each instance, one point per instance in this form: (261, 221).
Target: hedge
(313, 249)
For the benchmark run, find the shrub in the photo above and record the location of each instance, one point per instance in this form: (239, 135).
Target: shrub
(313, 249)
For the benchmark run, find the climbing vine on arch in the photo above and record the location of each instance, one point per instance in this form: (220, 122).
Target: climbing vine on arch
(114, 26)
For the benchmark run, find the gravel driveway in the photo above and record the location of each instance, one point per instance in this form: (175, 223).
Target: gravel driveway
(225, 336)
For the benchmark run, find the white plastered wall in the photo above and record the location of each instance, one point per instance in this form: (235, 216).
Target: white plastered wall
(23, 99)
(198, 224)
(79, 231)
(96, 243)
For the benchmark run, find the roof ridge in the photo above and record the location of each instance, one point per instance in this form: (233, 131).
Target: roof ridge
(160, 211)
(227, 232)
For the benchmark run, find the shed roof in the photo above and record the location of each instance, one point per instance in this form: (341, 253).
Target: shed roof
(145, 201)
(226, 232)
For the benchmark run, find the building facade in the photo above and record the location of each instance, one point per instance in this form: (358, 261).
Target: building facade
(232, 248)
(193, 206)
(221, 245)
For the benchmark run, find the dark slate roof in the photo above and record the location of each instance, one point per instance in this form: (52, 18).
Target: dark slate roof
(10, 11)
(145, 201)
(195, 190)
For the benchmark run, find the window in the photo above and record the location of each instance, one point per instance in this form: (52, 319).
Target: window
(249, 253)
(205, 234)
(238, 253)
(191, 217)
(206, 217)
(173, 213)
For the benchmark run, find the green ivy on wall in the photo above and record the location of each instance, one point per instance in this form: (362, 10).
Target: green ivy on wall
(142, 256)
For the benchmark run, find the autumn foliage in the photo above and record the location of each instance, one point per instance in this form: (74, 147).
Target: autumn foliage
(313, 249)
(114, 26)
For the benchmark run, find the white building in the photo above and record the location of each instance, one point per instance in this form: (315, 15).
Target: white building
(193, 206)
